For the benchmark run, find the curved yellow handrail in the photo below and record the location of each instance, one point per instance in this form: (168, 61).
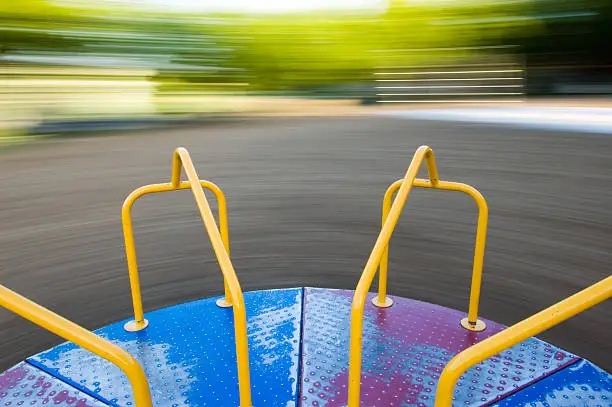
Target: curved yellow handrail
(392, 209)
(130, 247)
(369, 271)
(472, 322)
(551, 316)
(75, 333)
(182, 160)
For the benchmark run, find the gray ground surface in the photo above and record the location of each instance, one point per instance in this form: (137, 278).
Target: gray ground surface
(304, 202)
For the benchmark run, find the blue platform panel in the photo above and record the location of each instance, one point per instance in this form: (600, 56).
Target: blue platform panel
(405, 349)
(581, 384)
(26, 385)
(188, 354)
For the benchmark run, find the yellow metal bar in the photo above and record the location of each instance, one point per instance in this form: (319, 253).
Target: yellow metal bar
(382, 300)
(517, 333)
(359, 298)
(86, 339)
(220, 243)
(182, 160)
(130, 248)
(472, 321)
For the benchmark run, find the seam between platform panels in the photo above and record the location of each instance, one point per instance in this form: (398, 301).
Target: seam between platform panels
(301, 349)
(71, 383)
(564, 366)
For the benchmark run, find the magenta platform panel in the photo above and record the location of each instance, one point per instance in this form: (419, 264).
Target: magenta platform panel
(26, 385)
(405, 348)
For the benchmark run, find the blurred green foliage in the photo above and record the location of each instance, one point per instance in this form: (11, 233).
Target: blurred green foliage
(293, 52)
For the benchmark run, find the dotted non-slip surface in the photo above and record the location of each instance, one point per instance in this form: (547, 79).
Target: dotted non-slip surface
(26, 385)
(298, 353)
(581, 384)
(405, 348)
(188, 354)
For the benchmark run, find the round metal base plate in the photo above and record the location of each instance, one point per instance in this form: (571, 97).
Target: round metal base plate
(479, 326)
(388, 302)
(132, 326)
(222, 303)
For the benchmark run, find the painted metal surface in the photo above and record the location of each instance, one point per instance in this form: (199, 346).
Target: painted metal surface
(299, 356)
(26, 385)
(517, 333)
(579, 385)
(93, 344)
(405, 349)
(188, 354)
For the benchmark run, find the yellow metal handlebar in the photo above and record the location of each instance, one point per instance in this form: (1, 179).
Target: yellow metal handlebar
(471, 322)
(392, 209)
(75, 333)
(139, 322)
(369, 271)
(517, 333)
(220, 243)
(491, 346)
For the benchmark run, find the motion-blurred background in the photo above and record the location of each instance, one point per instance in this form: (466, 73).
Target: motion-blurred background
(70, 59)
(304, 193)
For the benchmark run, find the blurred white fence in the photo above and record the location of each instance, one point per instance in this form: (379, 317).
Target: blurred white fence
(481, 75)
